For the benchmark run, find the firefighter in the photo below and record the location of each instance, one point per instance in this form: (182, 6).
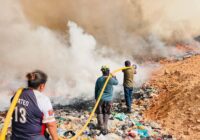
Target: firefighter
(128, 84)
(33, 112)
(104, 108)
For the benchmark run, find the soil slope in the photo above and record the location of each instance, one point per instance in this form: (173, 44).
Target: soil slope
(177, 107)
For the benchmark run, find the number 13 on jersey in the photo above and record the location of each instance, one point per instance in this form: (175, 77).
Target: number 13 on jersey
(20, 114)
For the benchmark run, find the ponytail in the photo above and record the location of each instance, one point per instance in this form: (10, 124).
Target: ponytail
(36, 78)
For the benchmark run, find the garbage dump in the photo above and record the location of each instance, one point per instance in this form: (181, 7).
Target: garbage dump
(71, 118)
(71, 54)
(121, 125)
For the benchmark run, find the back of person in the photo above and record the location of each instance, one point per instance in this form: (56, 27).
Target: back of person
(129, 77)
(105, 105)
(107, 95)
(27, 117)
(33, 112)
(128, 84)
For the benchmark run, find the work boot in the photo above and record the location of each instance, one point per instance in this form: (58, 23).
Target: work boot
(100, 121)
(129, 110)
(105, 123)
(104, 131)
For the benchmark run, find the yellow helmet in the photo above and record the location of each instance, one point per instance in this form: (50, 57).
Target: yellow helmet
(105, 68)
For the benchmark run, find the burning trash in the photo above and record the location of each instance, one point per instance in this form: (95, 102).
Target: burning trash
(121, 126)
(70, 40)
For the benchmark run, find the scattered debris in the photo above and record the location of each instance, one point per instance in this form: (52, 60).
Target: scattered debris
(71, 118)
(121, 125)
(120, 116)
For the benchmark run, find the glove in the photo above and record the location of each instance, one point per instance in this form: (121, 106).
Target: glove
(134, 66)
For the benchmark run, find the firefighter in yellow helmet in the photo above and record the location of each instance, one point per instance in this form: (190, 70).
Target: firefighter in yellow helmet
(104, 108)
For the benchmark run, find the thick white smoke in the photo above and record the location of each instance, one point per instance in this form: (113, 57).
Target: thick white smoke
(139, 28)
(72, 62)
(72, 58)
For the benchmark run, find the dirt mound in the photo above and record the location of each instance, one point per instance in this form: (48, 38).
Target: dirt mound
(177, 107)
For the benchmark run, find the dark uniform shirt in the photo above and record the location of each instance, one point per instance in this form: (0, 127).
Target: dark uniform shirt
(108, 92)
(129, 77)
(31, 113)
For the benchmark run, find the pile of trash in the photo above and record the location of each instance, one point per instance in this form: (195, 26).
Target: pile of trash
(71, 119)
(2, 118)
(121, 125)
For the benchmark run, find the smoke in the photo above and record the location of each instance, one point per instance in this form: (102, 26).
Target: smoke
(72, 61)
(127, 26)
(39, 35)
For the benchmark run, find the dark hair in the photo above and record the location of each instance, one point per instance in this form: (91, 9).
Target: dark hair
(106, 72)
(127, 63)
(36, 78)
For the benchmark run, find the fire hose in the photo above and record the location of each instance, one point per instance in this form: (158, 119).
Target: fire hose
(9, 114)
(17, 95)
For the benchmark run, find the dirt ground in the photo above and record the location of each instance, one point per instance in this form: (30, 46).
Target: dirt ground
(177, 107)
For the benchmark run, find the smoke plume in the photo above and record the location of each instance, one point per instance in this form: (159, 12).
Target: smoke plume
(39, 34)
(142, 29)
(72, 61)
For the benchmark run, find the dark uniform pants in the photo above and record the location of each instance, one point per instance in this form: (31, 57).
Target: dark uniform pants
(128, 96)
(104, 107)
(39, 137)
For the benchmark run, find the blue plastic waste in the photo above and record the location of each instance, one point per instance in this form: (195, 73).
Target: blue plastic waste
(136, 123)
(143, 133)
(120, 116)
